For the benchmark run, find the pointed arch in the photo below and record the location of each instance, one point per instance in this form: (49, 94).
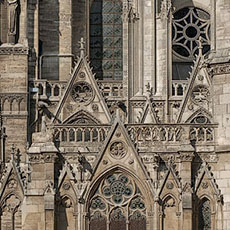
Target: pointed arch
(119, 197)
(81, 117)
(170, 209)
(200, 112)
(65, 213)
(10, 207)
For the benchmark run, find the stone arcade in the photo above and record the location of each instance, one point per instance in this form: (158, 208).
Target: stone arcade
(115, 114)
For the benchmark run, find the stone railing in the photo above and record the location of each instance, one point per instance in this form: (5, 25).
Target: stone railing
(172, 133)
(179, 87)
(139, 133)
(81, 133)
(111, 88)
(51, 90)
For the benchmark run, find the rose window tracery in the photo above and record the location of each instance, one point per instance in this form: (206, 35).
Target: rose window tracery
(117, 198)
(190, 24)
(82, 92)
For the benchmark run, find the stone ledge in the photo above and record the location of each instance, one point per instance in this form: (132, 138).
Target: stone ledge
(18, 49)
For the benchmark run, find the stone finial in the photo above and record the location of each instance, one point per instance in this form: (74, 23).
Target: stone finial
(82, 47)
(43, 127)
(12, 151)
(18, 157)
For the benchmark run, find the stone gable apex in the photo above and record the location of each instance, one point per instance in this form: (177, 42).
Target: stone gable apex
(198, 93)
(149, 115)
(204, 180)
(13, 179)
(82, 93)
(119, 151)
(171, 181)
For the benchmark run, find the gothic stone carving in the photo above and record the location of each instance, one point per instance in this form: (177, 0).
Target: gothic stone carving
(82, 92)
(12, 20)
(118, 149)
(200, 94)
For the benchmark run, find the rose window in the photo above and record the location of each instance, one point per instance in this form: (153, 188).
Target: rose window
(190, 24)
(117, 199)
(117, 188)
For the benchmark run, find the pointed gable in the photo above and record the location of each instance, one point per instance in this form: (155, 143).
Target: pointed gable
(82, 94)
(11, 182)
(171, 182)
(205, 183)
(198, 93)
(118, 151)
(149, 116)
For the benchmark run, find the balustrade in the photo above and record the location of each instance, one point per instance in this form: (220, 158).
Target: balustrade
(81, 133)
(171, 133)
(111, 88)
(179, 88)
(49, 89)
(144, 133)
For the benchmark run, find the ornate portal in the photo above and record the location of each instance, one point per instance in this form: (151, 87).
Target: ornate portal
(82, 92)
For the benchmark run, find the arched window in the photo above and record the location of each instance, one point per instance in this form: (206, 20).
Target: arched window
(189, 25)
(204, 215)
(106, 38)
(64, 212)
(119, 202)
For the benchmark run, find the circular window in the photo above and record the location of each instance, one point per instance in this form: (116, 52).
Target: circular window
(189, 24)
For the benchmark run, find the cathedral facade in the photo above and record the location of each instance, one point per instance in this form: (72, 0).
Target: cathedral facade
(114, 114)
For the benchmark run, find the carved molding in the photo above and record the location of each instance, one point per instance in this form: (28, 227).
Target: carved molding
(5, 50)
(219, 69)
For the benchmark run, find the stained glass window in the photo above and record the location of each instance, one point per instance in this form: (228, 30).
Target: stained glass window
(106, 38)
(205, 215)
(115, 197)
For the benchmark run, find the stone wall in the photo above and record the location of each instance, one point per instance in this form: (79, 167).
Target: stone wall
(13, 94)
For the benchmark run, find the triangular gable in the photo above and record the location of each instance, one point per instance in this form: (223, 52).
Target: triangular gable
(11, 175)
(171, 177)
(204, 180)
(119, 152)
(82, 93)
(198, 92)
(149, 115)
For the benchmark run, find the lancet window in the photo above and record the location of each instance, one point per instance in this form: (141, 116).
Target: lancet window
(190, 26)
(205, 215)
(117, 204)
(106, 38)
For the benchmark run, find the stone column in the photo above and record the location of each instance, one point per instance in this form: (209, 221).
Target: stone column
(40, 198)
(186, 158)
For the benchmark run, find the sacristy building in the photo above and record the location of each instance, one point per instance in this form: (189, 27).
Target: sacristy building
(115, 114)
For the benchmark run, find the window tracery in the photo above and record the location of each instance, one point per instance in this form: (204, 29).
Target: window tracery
(205, 215)
(118, 201)
(106, 38)
(189, 25)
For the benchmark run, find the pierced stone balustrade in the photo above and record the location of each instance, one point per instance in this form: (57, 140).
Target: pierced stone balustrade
(173, 133)
(179, 87)
(111, 88)
(51, 90)
(81, 133)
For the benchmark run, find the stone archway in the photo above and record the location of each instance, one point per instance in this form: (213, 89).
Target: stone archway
(117, 204)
